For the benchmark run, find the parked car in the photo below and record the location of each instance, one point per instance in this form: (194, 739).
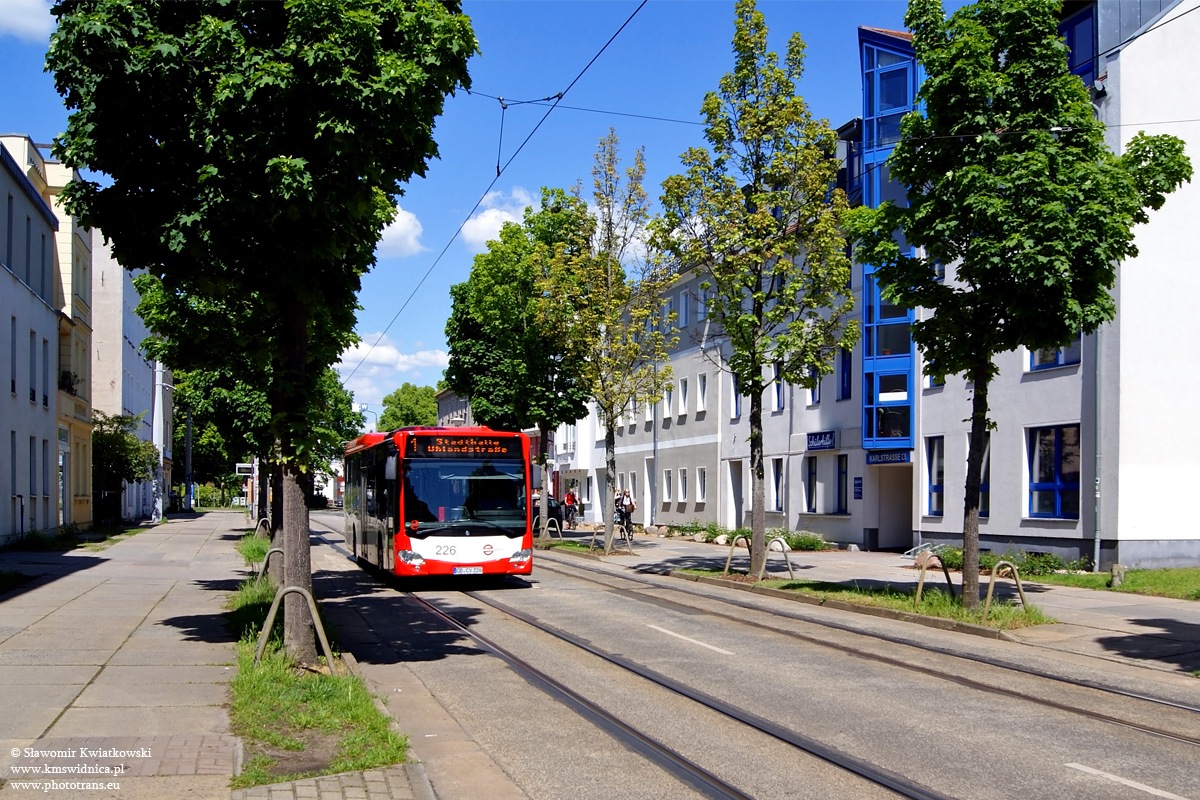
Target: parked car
(557, 511)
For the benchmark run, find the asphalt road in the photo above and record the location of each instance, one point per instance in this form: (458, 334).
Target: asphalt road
(962, 741)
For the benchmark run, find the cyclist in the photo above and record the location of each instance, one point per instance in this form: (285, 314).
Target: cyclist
(571, 501)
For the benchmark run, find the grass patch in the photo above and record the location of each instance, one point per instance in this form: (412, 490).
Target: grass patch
(295, 723)
(69, 538)
(935, 601)
(10, 579)
(252, 548)
(567, 544)
(1181, 583)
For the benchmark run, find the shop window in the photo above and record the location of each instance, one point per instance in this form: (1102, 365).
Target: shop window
(777, 484)
(810, 484)
(843, 494)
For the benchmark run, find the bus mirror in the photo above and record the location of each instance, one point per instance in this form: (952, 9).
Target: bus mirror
(389, 469)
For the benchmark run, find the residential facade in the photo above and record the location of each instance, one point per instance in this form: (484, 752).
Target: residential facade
(72, 257)
(1080, 462)
(125, 381)
(29, 344)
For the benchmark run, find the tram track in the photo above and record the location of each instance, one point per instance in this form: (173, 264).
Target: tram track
(928, 648)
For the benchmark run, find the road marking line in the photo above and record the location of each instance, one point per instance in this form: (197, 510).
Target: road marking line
(686, 639)
(1126, 782)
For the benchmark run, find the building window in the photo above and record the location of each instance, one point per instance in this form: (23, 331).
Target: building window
(935, 456)
(667, 486)
(845, 375)
(814, 394)
(12, 357)
(8, 236)
(1054, 472)
(1079, 31)
(778, 386)
(668, 403)
(1056, 357)
(985, 478)
(810, 484)
(588, 490)
(46, 373)
(737, 397)
(683, 487)
(668, 311)
(683, 396)
(32, 468)
(32, 367)
(685, 307)
(702, 392)
(43, 278)
(777, 484)
(702, 305)
(28, 252)
(633, 486)
(701, 484)
(843, 484)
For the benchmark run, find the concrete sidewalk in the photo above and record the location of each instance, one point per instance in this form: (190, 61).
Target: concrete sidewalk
(117, 662)
(1154, 632)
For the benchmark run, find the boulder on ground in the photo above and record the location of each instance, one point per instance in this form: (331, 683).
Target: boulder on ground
(697, 537)
(777, 546)
(722, 539)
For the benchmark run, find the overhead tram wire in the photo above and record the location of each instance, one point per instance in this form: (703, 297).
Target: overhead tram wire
(499, 172)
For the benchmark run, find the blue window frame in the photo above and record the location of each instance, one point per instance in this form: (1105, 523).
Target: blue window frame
(845, 375)
(889, 87)
(985, 480)
(1079, 31)
(843, 489)
(935, 459)
(810, 484)
(1056, 356)
(1054, 460)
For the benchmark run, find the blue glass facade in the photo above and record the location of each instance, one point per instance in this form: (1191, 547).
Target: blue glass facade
(890, 80)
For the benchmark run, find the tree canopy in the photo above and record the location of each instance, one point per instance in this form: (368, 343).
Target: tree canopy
(757, 214)
(255, 151)
(118, 455)
(1011, 186)
(409, 405)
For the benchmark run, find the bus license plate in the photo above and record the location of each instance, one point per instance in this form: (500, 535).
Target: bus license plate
(468, 570)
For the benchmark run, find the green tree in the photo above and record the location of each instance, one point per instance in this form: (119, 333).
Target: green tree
(517, 347)
(255, 152)
(409, 405)
(1012, 184)
(758, 214)
(118, 455)
(619, 296)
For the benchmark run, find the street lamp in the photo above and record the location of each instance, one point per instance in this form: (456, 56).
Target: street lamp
(362, 408)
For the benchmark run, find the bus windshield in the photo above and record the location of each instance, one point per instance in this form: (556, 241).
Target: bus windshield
(449, 494)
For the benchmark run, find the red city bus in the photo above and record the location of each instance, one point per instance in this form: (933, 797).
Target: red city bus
(440, 501)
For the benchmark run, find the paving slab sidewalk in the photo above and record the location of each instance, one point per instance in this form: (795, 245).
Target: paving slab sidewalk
(114, 665)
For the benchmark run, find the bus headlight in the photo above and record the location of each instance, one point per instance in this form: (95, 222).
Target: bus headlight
(521, 556)
(411, 558)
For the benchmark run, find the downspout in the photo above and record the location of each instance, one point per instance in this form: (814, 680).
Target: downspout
(1098, 425)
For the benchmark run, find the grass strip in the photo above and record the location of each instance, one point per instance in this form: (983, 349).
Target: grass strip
(1180, 583)
(11, 579)
(69, 538)
(296, 723)
(566, 544)
(935, 601)
(252, 548)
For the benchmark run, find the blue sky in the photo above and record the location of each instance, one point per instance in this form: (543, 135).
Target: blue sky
(661, 65)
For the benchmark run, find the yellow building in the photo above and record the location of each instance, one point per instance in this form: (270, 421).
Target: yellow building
(72, 298)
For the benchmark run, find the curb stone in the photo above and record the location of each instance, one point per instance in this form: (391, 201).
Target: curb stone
(841, 605)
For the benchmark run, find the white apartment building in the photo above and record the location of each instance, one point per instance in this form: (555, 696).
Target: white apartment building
(29, 343)
(125, 380)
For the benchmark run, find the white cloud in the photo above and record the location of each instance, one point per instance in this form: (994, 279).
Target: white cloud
(385, 367)
(497, 209)
(402, 236)
(26, 19)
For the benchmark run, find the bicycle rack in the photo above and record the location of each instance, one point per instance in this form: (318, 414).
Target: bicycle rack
(552, 525)
(783, 551)
(312, 607)
(628, 537)
(762, 570)
(261, 570)
(921, 582)
(987, 604)
(263, 521)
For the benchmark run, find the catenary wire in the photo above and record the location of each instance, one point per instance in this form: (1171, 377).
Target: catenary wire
(492, 183)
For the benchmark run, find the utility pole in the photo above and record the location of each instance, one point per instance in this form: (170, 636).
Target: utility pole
(187, 465)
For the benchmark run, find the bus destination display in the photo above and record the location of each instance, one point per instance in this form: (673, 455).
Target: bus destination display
(463, 447)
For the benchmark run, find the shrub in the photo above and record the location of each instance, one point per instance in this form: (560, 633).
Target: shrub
(712, 530)
(805, 540)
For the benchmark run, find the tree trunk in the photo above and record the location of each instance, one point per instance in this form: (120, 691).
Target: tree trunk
(261, 504)
(610, 482)
(297, 565)
(981, 377)
(276, 565)
(758, 511)
(544, 499)
(288, 404)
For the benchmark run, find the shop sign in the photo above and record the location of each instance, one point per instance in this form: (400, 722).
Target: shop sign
(822, 440)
